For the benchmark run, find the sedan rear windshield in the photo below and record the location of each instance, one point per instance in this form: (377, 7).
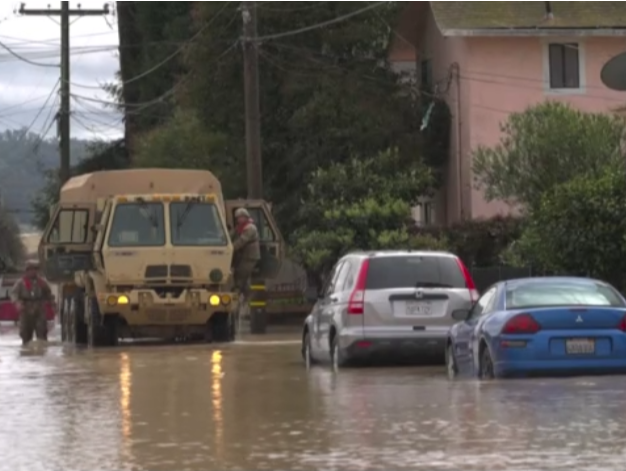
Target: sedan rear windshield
(552, 294)
(414, 271)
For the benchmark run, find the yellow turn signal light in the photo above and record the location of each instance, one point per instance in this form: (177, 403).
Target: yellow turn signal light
(214, 300)
(115, 300)
(226, 300)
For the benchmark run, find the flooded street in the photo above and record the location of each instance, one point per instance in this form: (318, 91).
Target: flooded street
(252, 406)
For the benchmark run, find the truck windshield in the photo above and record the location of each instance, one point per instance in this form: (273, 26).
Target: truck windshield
(196, 224)
(138, 225)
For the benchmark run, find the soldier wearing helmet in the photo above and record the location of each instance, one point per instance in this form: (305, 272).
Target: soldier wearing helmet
(247, 249)
(30, 294)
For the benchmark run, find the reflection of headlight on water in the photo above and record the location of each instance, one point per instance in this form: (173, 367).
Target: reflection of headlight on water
(216, 387)
(125, 380)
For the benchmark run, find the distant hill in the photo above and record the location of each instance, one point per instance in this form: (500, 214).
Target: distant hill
(23, 160)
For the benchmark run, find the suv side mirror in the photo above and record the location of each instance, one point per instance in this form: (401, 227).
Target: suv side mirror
(461, 315)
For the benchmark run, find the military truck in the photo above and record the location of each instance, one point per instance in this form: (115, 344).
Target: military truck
(146, 253)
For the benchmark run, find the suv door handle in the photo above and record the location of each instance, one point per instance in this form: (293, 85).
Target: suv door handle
(334, 299)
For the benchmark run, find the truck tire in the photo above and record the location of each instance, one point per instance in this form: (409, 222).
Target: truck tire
(258, 322)
(102, 332)
(74, 320)
(222, 327)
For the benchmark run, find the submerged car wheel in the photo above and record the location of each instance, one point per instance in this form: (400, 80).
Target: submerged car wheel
(306, 351)
(337, 357)
(451, 366)
(486, 364)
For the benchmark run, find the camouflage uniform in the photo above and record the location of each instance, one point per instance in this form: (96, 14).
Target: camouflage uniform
(247, 251)
(30, 294)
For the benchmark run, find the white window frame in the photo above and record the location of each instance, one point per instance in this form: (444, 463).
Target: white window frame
(582, 67)
(424, 213)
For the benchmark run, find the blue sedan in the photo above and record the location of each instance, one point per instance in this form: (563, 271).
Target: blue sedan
(541, 326)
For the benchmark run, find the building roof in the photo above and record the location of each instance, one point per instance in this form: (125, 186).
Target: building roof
(530, 18)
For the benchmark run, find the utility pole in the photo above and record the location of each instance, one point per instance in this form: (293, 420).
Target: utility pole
(64, 113)
(254, 164)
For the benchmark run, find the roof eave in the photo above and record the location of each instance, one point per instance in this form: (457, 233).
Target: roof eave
(535, 32)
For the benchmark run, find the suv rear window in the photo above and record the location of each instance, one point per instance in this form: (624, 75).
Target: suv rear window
(414, 271)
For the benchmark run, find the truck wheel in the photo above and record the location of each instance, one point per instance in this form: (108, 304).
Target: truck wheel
(77, 328)
(221, 325)
(258, 322)
(102, 332)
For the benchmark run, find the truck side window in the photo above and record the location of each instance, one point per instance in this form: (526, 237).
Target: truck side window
(70, 227)
(266, 233)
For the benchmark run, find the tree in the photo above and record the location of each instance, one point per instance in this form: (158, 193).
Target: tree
(12, 250)
(360, 204)
(544, 146)
(183, 142)
(327, 94)
(579, 228)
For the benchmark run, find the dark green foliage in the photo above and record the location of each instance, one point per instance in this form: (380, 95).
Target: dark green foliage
(579, 228)
(12, 250)
(326, 95)
(480, 242)
(362, 204)
(544, 146)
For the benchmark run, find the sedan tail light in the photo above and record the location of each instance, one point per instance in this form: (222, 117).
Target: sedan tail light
(522, 324)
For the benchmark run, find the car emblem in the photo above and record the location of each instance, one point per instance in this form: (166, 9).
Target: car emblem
(419, 295)
(579, 320)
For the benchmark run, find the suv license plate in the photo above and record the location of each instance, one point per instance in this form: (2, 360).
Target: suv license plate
(417, 309)
(580, 346)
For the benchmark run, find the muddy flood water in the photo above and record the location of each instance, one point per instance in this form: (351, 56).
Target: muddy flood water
(252, 406)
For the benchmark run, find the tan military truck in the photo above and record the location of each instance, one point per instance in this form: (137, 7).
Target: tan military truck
(147, 253)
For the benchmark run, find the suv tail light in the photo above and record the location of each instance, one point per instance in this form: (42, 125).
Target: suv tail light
(469, 281)
(521, 324)
(622, 324)
(356, 303)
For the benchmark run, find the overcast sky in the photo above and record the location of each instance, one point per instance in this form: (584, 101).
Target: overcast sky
(25, 88)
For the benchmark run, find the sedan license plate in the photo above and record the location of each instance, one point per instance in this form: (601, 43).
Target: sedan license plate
(580, 346)
(419, 309)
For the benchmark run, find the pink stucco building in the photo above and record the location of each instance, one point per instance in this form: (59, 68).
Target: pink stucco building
(488, 59)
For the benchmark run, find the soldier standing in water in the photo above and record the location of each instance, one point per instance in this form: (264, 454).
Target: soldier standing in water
(30, 294)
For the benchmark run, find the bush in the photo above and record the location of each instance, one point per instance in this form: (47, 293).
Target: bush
(12, 250)
(479, 242)
(580, 228)
(545, 146)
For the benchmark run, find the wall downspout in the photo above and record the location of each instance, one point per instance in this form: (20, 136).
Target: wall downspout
(459, 146)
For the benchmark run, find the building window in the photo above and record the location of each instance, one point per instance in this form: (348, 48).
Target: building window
(426, 78)
(564, 63)
(424, 213)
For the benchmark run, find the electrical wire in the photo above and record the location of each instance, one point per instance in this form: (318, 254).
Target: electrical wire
(24, 59)
(179, 50)
(137, 107)
(323, 24)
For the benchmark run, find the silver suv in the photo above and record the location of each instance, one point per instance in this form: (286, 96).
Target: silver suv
(380, 303)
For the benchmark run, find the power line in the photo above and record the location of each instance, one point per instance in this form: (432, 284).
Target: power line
(318, 25)
(179, 50)
(24, 59)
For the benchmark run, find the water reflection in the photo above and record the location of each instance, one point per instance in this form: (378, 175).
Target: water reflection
(216, 387)
(125, 382)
